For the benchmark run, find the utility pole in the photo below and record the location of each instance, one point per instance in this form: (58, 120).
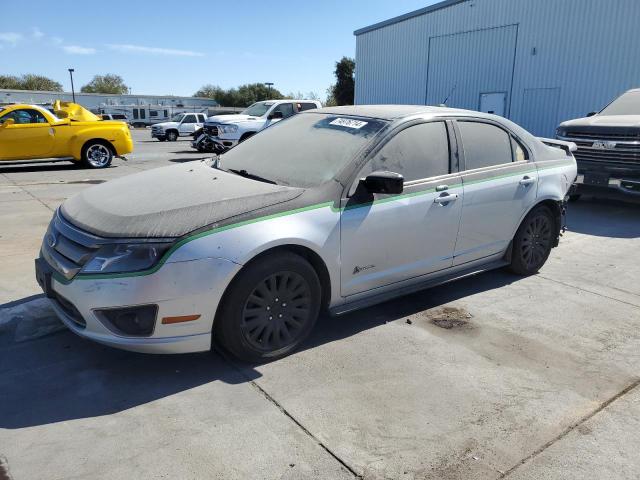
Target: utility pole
(73, 92)
(269, 85)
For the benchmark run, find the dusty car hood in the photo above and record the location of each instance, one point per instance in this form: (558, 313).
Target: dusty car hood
(166, 124)
(604, 120)
(231, 119)
(170, 201)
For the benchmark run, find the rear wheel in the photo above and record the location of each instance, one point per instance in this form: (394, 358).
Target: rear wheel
(533, 242)
(171, 135)
(269, 309)
(97, 154)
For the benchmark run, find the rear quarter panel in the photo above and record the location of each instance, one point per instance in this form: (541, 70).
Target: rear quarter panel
(77, 134)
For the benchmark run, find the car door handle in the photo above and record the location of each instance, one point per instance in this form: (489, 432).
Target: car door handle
(446, 198)
(527, 181)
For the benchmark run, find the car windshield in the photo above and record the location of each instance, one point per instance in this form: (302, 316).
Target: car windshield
(305, 150)
(626, 104)
(177, 117)
(258, 109)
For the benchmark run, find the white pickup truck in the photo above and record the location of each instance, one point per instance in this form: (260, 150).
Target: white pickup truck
(229, 130)
(181, 125)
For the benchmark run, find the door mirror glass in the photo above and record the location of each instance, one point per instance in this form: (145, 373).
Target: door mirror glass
(384, 182)
(275, 115)
(7, 122)
(591, 114)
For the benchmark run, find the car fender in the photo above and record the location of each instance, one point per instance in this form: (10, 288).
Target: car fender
(316, 228)
(82, 135)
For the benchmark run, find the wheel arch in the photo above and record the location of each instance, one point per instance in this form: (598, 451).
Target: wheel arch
(557, 209)
(310, 255)
(246, 135)
(86, 142)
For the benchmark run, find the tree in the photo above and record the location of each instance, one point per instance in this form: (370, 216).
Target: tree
(243, 96)
(108, 83)
(29, 81)
(342, 93)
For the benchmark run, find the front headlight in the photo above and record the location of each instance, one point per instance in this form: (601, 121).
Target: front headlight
(125, 258)
(227, 128)
(561, 132)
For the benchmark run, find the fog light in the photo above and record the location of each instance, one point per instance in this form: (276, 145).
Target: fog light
(130, 321)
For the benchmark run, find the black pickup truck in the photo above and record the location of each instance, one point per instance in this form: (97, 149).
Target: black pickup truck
(608, 152)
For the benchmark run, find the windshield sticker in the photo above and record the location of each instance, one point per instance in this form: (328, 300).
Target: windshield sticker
(348, 122)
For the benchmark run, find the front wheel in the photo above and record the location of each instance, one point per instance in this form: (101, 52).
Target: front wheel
(533, 242)
(97, 155)
(172, 136)
(269, 308)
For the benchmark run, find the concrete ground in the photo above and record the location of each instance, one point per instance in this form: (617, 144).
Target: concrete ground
(491, 377)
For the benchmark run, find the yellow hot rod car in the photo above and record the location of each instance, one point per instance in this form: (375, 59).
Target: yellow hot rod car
(30, 132)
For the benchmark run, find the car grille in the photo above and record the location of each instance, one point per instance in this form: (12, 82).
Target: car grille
(211, 130)
(66, 248)
(621, 137)
(624, 150)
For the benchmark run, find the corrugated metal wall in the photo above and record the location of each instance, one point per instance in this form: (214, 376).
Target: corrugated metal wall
(568, 57)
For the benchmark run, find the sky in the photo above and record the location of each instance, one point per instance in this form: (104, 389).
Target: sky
(174, 47)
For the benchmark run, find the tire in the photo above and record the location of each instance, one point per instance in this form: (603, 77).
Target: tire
(533, 242)
(269, 309)
(574, 198)
(171, 136)
(97, 154)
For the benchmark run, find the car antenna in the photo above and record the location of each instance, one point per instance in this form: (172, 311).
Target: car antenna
(449, 96)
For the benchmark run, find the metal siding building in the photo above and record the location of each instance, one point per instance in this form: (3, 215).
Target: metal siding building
(539, 62)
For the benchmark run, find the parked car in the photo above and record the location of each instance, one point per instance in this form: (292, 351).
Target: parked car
(336, 208)
(121, 117)
(30, 132)
(608, 152)
(181, 125)
(229, 130)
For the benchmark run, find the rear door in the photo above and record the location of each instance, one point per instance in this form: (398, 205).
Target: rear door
(387, 239)
(500, 186)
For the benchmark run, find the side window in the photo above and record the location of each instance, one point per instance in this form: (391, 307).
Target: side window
(189, 119)
(135, 113)
(25, 117)
(143, 113)
(285, 108)
(519, 152)
(166, 113)
(484, 145)
(306, 106)
(417, 152)
(153, 113)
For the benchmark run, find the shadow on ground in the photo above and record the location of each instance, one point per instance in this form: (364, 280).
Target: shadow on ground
(61, 377)
(604, 217)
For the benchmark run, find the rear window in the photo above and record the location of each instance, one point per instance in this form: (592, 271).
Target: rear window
(484, 145)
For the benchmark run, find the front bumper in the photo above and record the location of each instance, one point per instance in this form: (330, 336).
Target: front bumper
(158, 134)
(594, 182)
(178, 289)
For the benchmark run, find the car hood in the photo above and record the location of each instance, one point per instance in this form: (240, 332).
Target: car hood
(170, 201)
(605, 121)
(74, 112)
(166, 124)
(231, 119)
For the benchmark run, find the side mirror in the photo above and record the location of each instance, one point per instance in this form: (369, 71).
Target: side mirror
(63, 121)
(7, 122)
(275, 115)
(384, 182)
(591, 114)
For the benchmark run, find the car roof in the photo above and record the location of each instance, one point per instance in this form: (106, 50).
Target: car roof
(391, 112)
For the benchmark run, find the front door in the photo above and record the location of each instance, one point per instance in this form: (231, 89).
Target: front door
(500, 186)
(31, 136)
(388, 239)
(188, 124)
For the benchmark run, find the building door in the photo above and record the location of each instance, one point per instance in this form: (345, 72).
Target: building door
(464, 65)
(494, 103)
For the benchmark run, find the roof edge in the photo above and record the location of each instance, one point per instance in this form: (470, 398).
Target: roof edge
(407, 16)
